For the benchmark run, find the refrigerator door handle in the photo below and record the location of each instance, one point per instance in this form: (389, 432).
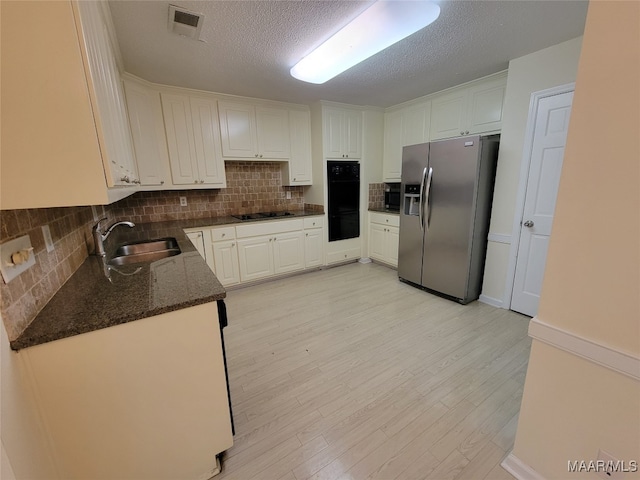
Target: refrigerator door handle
(420, 200)
(427, 194)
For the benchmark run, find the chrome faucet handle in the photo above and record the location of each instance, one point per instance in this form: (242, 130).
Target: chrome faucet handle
(96, 227)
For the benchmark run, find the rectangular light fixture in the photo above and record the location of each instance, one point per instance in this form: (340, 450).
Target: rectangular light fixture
(378, 27)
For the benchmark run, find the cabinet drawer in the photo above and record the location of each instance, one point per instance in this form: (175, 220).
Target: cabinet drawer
(223, 233)
(313, 222)
(268, 227)
(385, 219)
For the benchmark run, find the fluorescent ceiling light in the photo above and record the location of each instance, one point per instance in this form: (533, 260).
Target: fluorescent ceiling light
(378, 27)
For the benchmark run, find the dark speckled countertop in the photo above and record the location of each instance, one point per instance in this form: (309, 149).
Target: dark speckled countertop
(384, 210)
(100, 296)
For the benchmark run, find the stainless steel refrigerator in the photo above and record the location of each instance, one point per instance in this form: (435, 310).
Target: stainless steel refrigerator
(447, 188)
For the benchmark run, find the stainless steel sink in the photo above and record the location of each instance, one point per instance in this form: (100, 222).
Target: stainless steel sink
(145, 251)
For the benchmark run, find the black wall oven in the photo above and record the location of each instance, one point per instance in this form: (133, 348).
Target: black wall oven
(343, 180)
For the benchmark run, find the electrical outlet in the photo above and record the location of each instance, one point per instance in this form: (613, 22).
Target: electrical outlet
(183, 201)
(288, 195)
(48, 241)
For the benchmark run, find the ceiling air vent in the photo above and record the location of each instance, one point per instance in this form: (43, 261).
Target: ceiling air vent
(184, 22)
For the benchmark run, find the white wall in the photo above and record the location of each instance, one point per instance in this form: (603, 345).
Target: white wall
(537, 71)
(572, 406)
(25, 451)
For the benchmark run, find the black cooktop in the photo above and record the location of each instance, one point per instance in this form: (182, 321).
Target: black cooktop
(262, 215)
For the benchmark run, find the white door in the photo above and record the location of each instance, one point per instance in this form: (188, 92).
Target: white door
(549, 139)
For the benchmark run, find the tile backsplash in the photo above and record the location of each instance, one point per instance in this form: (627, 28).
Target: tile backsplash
(376, 195)
(23, 297)
(251, 187)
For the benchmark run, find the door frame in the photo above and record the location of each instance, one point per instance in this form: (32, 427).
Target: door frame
(527, 151)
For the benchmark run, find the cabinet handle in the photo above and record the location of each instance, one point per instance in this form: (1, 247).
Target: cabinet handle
(307, 234)
(256, 155)
(467, 132)
(223, 234)
(161, 182)
(294, 179)
(233, 245)
(201, 181)
(195, 181)
(260, 155)
(461, 133)
(347, 156)
(125, 179)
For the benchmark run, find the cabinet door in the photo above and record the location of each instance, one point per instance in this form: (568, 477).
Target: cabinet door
(147, 130)
(415, 125)
(113, 125)
(225, 256)
(392, 238)
(393, 133)
(288, 252)
(333, 133)
(180, 141)
(392, 157)
(313, 251)
(448, 114)
(272, 126)
(207, 142)
(238, 129)
(377, 241)
(255, 256)
(485, 106)
(352, 136)
(299, 167)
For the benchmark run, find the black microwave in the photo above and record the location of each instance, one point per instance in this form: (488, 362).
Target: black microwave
(392, 196)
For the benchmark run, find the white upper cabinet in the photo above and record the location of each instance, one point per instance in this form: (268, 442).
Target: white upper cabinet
(193, 140)
(406, 126)
(60, 146)
(298, 170)
(469, 110)
(108, 95)
(254, 132)
(342, 133)
(147, 130)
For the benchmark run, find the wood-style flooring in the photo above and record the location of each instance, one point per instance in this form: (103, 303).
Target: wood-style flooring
(348, 373)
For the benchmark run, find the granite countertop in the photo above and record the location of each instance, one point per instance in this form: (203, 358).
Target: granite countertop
(99, 296)
(385, 210)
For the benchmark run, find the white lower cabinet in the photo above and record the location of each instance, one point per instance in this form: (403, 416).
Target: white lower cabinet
(384, 237)
(222, 254)
(255, 251)
(256, 258)
(313, 242)
(288, 252)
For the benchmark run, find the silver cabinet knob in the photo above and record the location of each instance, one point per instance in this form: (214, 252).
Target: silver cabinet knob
(467, 132)
(260, 155)
(256, 155)
(161, 182)
(528, 223)
(461, 133)
(195, 181)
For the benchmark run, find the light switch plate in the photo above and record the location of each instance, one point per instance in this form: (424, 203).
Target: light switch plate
(10, 271)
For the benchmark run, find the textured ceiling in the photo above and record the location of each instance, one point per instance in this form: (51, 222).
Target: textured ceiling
(249, 46)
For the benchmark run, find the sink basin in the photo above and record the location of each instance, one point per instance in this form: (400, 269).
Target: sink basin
(145, 251)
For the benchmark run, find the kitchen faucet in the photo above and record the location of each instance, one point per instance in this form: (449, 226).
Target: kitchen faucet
(99, 237)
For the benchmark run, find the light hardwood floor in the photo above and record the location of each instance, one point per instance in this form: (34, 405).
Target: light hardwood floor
(347, 373)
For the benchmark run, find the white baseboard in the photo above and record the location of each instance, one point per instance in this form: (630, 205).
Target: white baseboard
(603, 355)
(519, 469)
(494, 302)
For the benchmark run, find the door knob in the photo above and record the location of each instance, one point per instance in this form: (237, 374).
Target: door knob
(528, 223)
